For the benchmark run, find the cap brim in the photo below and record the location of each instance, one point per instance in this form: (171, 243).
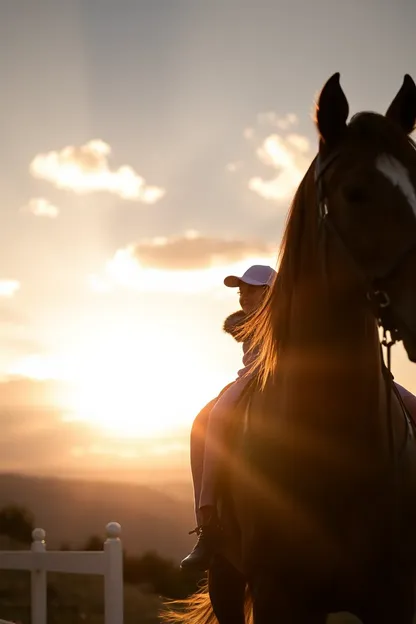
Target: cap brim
(232, 281)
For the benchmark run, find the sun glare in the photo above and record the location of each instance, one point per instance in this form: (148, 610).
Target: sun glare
(133, 378)
(128, 397)
(128, 389)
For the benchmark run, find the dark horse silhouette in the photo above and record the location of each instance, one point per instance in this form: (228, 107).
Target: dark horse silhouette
(322, 460)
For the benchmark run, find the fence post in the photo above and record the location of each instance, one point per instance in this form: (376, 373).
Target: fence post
(113, 575)
(38, 581)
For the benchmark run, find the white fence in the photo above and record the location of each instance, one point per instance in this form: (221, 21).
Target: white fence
(107, 563)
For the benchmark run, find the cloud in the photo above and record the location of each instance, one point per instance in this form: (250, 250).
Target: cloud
(86, 169)
(290, 157)
(287, 152)
(187, 263)
(8, 288)
(41, 207)
(194, 251)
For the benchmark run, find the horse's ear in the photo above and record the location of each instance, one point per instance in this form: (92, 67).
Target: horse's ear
(331, 112)
(403, 108)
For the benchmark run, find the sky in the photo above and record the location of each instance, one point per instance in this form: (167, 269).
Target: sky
(149, 148)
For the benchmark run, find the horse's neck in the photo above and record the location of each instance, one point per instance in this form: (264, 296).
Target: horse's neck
(339, 339)
(331, 368)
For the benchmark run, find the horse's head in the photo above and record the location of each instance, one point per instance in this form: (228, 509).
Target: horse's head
(366, 186)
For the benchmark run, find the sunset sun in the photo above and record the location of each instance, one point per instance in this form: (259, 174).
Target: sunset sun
(130, 384)
(131, 398)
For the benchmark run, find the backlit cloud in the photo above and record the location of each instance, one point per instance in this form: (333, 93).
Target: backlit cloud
(289, 156)
(86, 169)
(188, 263)
(286, 151)
(41, 207)
(194, 251)
(8, 288)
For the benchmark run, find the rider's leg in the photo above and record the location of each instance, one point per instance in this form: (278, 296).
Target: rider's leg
(215, 451)
(197, 442)
(201, 555)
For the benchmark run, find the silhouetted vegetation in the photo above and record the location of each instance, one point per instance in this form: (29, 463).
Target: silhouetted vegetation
(161, 575)
(17, 523)
(95, 542)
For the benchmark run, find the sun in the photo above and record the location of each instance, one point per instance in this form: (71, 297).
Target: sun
(126, 393)
(128, 388)
(130, 402)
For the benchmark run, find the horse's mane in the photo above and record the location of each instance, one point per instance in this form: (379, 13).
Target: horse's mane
(268, 329)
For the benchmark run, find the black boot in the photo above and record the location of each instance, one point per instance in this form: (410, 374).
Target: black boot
(209, 534)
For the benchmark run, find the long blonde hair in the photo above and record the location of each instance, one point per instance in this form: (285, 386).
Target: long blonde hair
(267, 329)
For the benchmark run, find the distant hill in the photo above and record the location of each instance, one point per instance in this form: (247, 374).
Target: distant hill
(72, 510)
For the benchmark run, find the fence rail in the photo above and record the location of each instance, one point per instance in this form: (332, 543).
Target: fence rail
(107, 563)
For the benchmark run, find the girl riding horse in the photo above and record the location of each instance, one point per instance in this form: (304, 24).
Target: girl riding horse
(206, 438)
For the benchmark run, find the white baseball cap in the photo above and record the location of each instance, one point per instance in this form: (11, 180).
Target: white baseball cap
(256, 275)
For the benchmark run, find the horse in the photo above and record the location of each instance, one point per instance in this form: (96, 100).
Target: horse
(322, 459)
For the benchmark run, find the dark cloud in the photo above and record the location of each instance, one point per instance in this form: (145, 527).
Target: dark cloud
(196, 252)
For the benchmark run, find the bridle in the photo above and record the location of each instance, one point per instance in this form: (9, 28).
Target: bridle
(381, 305)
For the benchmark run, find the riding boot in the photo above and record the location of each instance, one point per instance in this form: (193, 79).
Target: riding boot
(209, 533)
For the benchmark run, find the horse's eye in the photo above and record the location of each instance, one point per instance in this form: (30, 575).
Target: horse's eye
(355, 193)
